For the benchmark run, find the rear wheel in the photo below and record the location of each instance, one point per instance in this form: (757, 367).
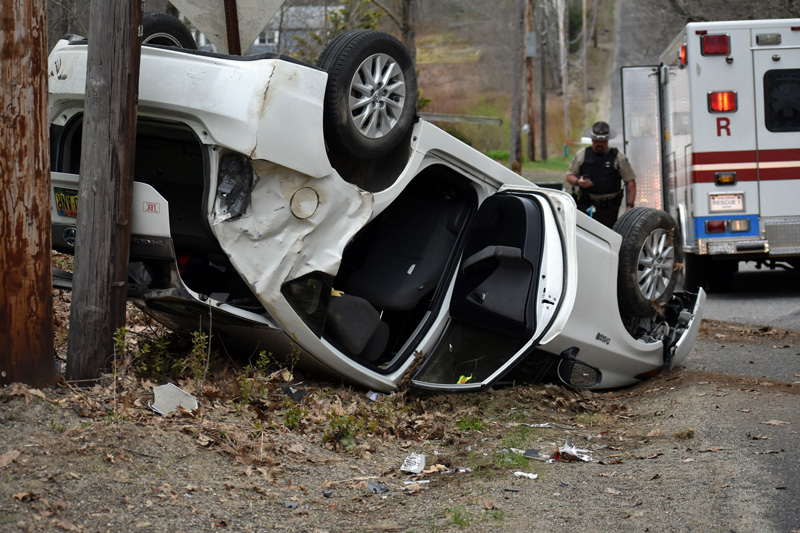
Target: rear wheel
(371, 94)
(164, 30)
(650, 249)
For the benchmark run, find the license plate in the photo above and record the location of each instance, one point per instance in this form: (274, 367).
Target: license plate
(723, 203)
(66, 202)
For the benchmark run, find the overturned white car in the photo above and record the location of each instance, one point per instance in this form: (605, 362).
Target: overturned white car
(307, 208)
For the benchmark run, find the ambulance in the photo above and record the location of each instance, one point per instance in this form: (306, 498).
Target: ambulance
(713, 133)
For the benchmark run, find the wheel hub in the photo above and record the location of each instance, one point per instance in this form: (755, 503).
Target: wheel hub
(377, 96)
(656, 264)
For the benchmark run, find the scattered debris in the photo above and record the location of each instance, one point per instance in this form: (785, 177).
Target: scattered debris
(378, 396)
(291, 505)
(414, 463)
(569, 453)
(527, 475)
(296, 395)
(376, 487)
(167, 398)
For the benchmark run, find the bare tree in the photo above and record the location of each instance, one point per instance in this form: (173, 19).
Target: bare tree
(406, 22)
(517, 67)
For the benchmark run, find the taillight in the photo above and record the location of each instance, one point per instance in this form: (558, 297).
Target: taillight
(722, 101)
(683, 55)
(714, 45)
(715, 226)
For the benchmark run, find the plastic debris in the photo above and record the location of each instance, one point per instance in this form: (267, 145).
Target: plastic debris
(167, 398)
(464, 379)
(530, 453)
(327, 493)
(418, 482)
(569, 454)
(291, 505)
(527, 475)
(414, 463)
(376, 487)
(511, 489)
(296, 395)
(466, 470)
(377, 396)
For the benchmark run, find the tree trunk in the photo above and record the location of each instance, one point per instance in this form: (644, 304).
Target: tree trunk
(542, 25)
(517, 67)
(26, 285)
(562, 41)
(529, 72)
(409, 28)
(106, 187)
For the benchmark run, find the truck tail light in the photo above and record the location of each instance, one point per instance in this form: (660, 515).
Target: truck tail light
(715, 226)
(683, 55)
(722, 101)
(715, 45)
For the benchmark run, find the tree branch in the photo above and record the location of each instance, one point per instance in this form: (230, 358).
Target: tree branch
(391, 14)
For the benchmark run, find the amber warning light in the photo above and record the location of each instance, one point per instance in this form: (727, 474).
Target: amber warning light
(722, 101)
(714, 45)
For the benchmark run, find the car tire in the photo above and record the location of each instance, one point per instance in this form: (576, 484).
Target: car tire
(165, 30)
(650, 248)
(365, 117)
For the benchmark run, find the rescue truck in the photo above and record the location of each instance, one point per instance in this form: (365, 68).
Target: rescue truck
(713, 133)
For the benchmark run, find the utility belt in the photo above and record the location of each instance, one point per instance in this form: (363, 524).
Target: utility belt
(607, 202)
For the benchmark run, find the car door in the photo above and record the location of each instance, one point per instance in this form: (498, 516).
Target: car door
(514, 289)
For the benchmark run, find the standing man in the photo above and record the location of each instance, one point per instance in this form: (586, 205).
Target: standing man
(600, 175)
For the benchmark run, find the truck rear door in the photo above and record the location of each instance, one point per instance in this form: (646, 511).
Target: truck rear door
(641, 117)
(777, 97)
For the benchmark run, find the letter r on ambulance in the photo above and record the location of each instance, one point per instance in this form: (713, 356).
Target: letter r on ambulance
(723, 124)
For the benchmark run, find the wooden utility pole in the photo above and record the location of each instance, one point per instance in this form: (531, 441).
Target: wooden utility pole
(26, 283)
(517, 67)
(106, 186)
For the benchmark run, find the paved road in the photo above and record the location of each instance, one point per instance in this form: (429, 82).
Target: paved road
(759, 298)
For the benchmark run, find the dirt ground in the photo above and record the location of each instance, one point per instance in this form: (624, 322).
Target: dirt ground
(686, 451)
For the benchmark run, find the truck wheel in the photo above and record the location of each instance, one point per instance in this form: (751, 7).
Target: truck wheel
(162, 29)
(650, 248)
(371, 94)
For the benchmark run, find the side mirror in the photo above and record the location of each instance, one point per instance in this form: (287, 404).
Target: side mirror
(578, 374)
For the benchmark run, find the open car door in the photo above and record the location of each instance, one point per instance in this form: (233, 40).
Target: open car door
(514, 290)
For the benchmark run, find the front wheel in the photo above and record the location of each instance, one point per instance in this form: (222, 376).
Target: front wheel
(647, 258)
(371, 94)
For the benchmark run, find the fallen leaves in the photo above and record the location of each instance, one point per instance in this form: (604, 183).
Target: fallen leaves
(9, 457)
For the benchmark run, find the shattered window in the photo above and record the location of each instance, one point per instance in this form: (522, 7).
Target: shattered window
(782, 100)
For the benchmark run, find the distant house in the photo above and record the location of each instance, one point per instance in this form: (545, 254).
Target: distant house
(281, 31)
